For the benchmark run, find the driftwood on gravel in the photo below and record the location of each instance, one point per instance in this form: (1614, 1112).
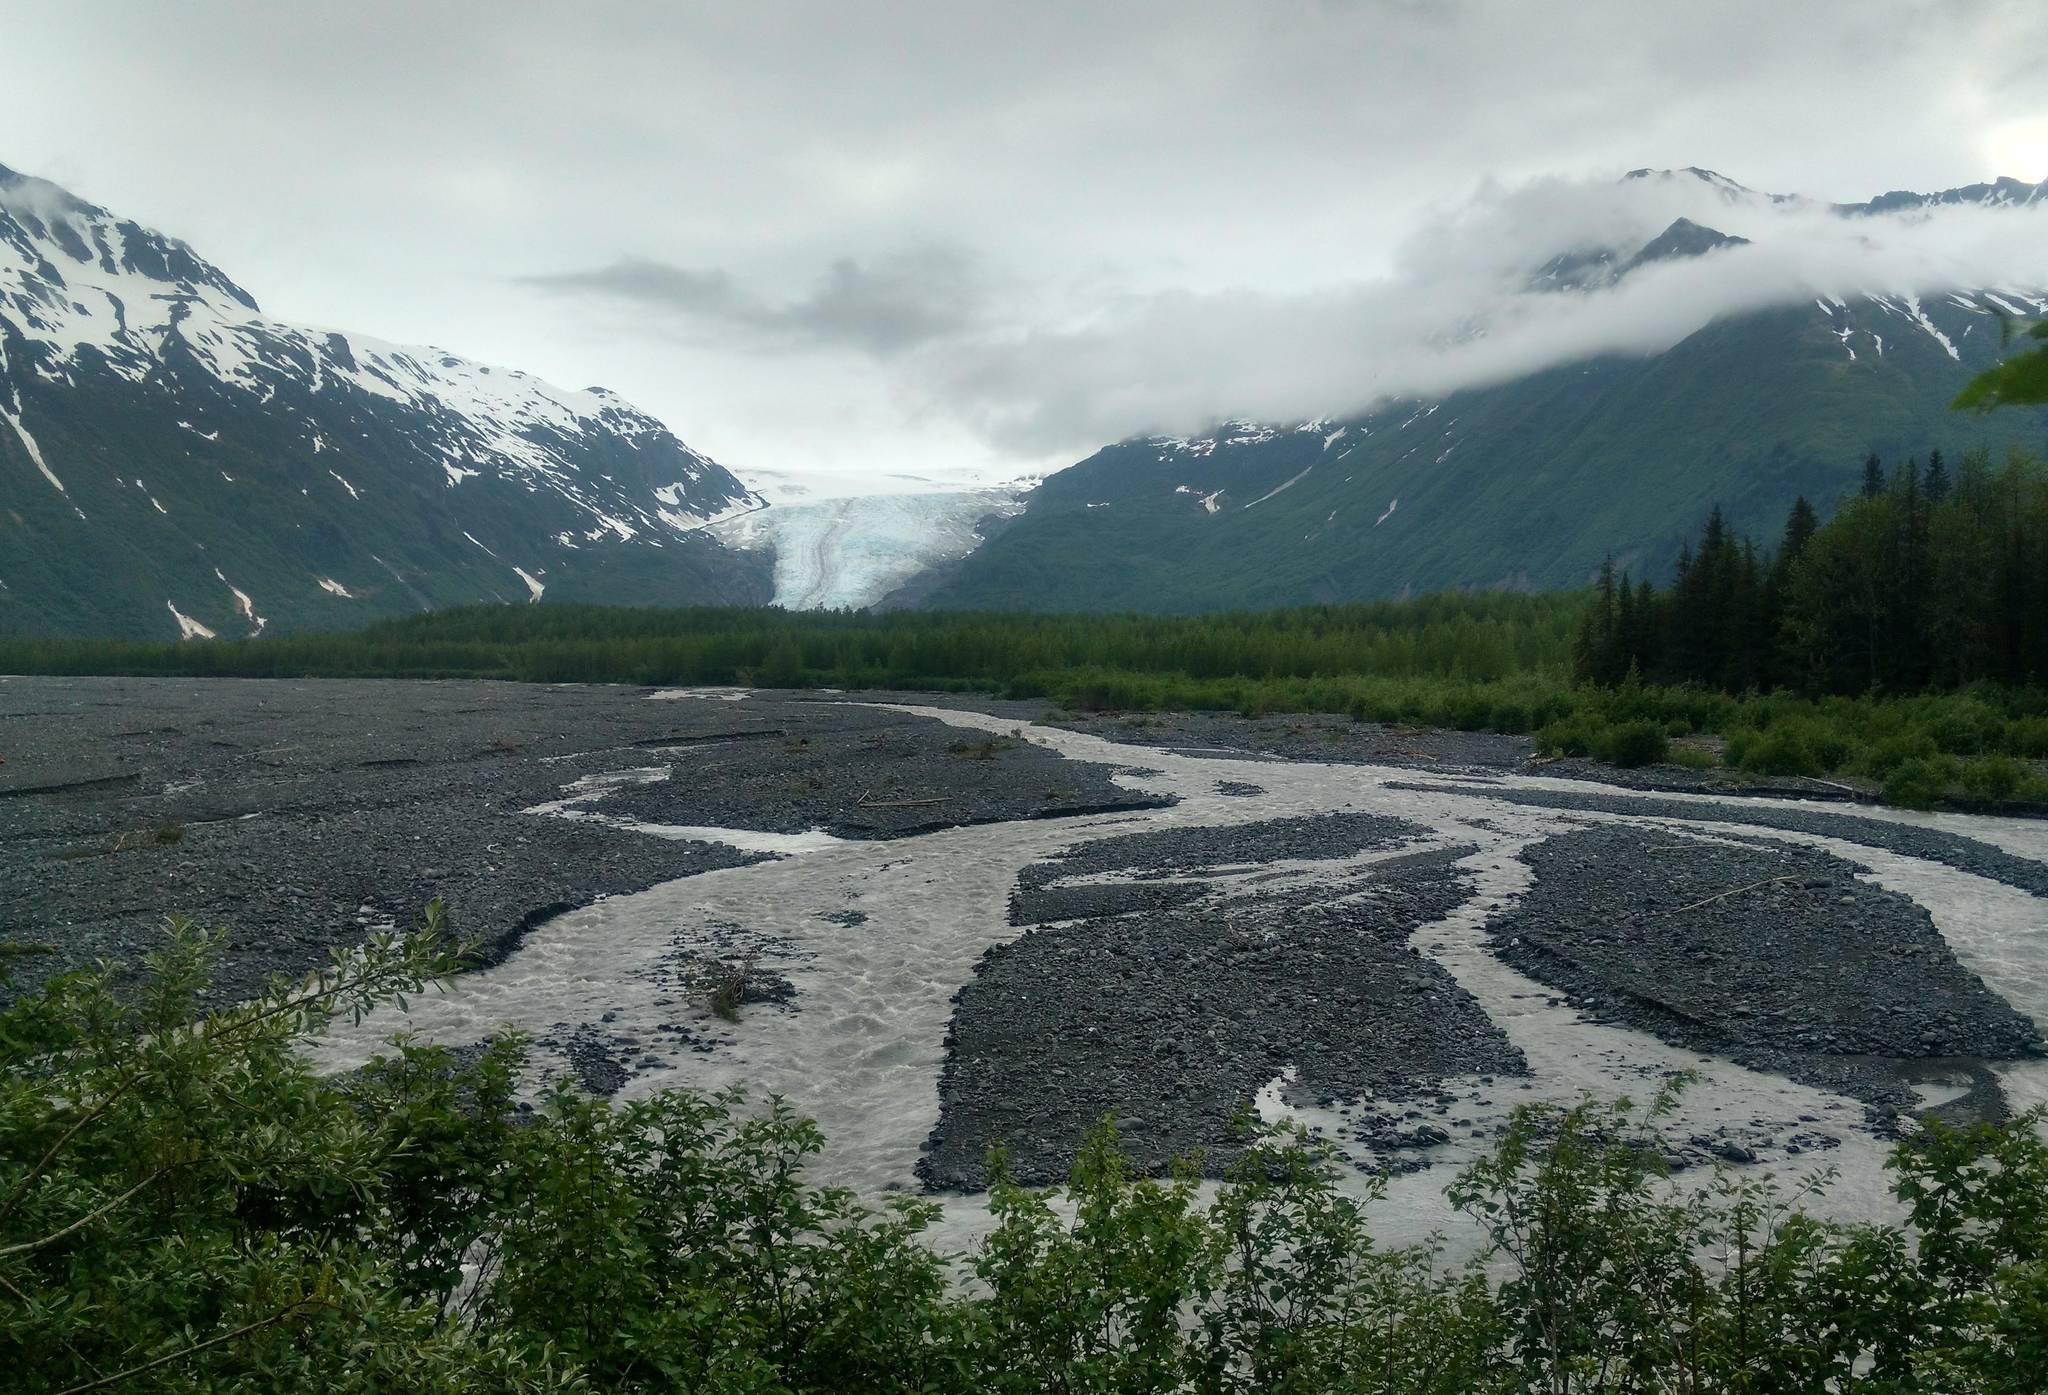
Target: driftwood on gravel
(1732, 891)
(865, 803)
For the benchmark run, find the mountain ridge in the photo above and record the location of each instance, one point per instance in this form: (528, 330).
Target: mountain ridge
(174, 460)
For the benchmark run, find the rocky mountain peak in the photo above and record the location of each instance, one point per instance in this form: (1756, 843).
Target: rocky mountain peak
(1684, 238)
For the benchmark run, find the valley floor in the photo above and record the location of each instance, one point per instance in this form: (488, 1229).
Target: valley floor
(959, 928)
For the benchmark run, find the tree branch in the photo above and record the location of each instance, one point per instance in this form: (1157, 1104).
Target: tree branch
(279, 1316)
(27, 1246)
(21, 1188)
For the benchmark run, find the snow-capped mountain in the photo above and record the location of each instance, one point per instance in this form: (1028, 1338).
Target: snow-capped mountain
(2003, 192)
(173, 461)
(1530, 482)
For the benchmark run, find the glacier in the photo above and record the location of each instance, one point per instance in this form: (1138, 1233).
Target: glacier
(850, 553)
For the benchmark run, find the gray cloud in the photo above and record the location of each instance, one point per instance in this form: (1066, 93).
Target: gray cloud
(1045, 370)
(1163, 209)
(896, 303)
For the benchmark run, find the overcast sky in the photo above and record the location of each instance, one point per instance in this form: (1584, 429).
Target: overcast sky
(964, 240)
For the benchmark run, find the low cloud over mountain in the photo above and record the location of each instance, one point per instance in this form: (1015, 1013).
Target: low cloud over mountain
(1475, 296)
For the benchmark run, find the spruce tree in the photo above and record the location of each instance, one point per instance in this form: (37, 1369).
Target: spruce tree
(1626, 627)
(1646, 644)
(1800, 526)
(1936, 485)
(1595, 648)
(1873, 476)
(1909, 617)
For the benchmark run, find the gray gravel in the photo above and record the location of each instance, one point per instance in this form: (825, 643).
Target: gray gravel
(303, 814)
(1934, 845)
(856, 772)
(1162, 979)
(1145, 864)
(1168, 1022)
(1338, 740)
(1774, 956)
(1305, 736)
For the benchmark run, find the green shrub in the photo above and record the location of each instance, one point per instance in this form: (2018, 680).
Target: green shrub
(1778, 751)
(2027, 736)
(1634, 743)
(1693, 758)
(1831, 746)
(1993, 778)
(1965, 726)
(1510, 718)
(1920, 782)
(1892, 752)
(1571, 736)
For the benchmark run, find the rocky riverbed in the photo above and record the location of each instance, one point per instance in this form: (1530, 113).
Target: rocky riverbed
(954, 927)
(303, 814)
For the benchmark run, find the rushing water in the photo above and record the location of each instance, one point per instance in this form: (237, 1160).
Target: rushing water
(862, 1046)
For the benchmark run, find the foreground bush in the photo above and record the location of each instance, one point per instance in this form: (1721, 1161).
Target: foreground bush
(184, 1206)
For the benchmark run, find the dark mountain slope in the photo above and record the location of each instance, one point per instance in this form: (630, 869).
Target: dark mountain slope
(1527, 484)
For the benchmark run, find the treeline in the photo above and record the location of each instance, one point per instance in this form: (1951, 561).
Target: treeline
(186, 1207)
(1925, 579)
(1479, 637)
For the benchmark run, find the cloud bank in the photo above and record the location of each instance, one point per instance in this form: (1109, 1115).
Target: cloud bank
(1043, 368)
(972, 239)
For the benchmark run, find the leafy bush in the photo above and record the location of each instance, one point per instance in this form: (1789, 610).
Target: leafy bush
(1920, 783)
(1511, 717)
(1965, 726)
(1571, 736)
(1992, 778)
(185, 1207)
(1779, 751)
(1633, 744)
(1693, 758)
(1892, 752)
(2027, 736)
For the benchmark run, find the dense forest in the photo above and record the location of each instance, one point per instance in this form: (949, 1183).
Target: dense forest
(1477, 637)
(1926, 578)
(185, 1206)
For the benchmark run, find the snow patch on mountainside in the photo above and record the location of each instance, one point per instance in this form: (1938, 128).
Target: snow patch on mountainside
(188, 628)
(684, 520)
(244, 607)
(1279, 489)
(1920, 318)
(35, 454)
